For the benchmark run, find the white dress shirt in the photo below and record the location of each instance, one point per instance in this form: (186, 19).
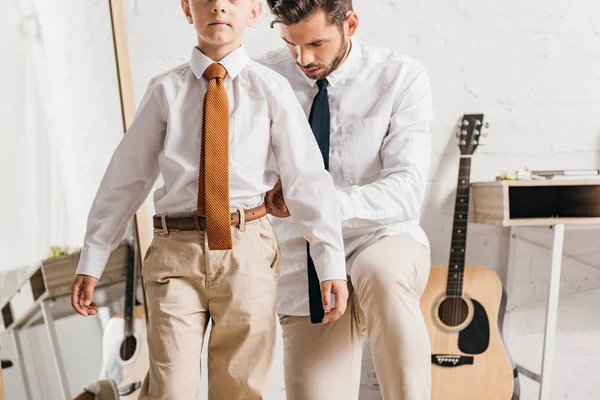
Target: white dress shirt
(379, 158)
(266, 122)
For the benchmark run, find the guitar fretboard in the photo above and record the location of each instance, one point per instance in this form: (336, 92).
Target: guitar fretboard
(130, 291)
(456, 266)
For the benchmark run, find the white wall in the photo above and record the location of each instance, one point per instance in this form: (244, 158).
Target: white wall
(533, 68)
(66, 143)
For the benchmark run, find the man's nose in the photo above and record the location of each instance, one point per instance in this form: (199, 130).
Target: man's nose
(304, 57)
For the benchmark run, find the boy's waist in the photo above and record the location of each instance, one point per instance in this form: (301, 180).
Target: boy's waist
(198, 222)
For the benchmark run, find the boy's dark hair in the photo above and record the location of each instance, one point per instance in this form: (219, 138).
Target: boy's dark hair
(290, 12)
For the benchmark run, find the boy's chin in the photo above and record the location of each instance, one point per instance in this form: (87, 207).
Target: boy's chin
(219, 40)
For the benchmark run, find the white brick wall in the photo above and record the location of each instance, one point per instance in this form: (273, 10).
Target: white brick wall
(533, 68)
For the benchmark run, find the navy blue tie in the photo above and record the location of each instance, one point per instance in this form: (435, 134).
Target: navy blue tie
(319, 120)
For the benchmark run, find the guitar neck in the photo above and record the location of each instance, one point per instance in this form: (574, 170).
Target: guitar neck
(130, 283)
(456, 266)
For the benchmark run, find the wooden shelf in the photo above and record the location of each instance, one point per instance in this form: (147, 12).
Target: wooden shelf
(535, 202)
(52, 279)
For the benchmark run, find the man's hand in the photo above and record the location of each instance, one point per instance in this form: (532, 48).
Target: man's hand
(275, 202)
(339, 289)
(81, 295)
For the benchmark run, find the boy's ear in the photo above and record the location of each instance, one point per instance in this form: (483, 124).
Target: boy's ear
(254, 12)
(185, 6)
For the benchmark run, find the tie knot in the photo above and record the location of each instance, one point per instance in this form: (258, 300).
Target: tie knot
(322, 84)
(215, 70)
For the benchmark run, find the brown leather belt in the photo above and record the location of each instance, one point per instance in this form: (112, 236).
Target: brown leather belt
(199, 222)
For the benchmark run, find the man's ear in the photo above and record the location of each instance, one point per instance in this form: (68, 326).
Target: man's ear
(255, 12)
(351, 23)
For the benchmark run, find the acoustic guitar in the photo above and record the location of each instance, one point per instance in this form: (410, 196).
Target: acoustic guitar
(460, 305)
(124, 344)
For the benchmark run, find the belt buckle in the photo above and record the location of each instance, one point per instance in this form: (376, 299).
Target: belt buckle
(200, 223)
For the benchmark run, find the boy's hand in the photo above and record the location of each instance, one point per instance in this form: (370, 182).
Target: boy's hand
(275, 202)
(81, 295)
(339, 289)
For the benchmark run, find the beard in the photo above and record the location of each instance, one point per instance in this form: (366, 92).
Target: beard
(334, 64)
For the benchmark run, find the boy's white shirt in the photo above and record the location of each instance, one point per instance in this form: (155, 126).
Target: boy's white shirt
(269, 135)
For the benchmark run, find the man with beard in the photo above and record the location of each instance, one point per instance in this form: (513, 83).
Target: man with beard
(370, 110)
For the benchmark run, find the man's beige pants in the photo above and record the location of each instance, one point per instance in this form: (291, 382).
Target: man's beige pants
(322, 362)
(186, 286)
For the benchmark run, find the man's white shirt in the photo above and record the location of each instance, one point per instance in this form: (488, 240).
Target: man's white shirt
(380, 155)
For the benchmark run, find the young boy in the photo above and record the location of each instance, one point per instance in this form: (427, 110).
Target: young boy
(209, 127)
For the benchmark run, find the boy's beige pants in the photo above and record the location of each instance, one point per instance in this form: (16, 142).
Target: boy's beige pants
(186, 287)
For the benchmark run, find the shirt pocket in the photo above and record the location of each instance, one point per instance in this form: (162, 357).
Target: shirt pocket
(251, 140)
(361, 147)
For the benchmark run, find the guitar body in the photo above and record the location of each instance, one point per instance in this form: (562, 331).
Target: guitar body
(473, 334)
(461, 303)
(129, 367)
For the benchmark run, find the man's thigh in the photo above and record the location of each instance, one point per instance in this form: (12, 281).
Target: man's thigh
(399, 258)
(322, 361)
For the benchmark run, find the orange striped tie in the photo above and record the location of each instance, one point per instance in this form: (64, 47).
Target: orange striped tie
(213, 179)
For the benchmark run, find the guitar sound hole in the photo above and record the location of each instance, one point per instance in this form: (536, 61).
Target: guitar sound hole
(453, 311)
(128, 348)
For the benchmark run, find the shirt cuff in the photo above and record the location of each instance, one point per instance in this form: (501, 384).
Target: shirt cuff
(331, 266)
(92, 261)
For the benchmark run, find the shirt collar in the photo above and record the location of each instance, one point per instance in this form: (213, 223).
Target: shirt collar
(234, 62)
(342, 71)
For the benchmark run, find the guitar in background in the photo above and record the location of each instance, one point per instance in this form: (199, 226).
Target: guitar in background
(460, 305)
(124, 344)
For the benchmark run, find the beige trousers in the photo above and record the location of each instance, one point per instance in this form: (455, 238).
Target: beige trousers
(186, 287)
(322, 362)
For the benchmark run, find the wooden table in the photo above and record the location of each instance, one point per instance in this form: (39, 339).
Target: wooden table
(541, 203)
(45, 294)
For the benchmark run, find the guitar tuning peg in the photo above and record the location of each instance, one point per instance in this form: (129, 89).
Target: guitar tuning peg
(465, 123)
(486, 125)
(477, 123)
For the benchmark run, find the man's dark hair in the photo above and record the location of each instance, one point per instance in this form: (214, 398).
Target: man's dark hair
(290, 12)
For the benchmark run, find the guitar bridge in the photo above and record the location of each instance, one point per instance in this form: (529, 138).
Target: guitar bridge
(450, 360)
